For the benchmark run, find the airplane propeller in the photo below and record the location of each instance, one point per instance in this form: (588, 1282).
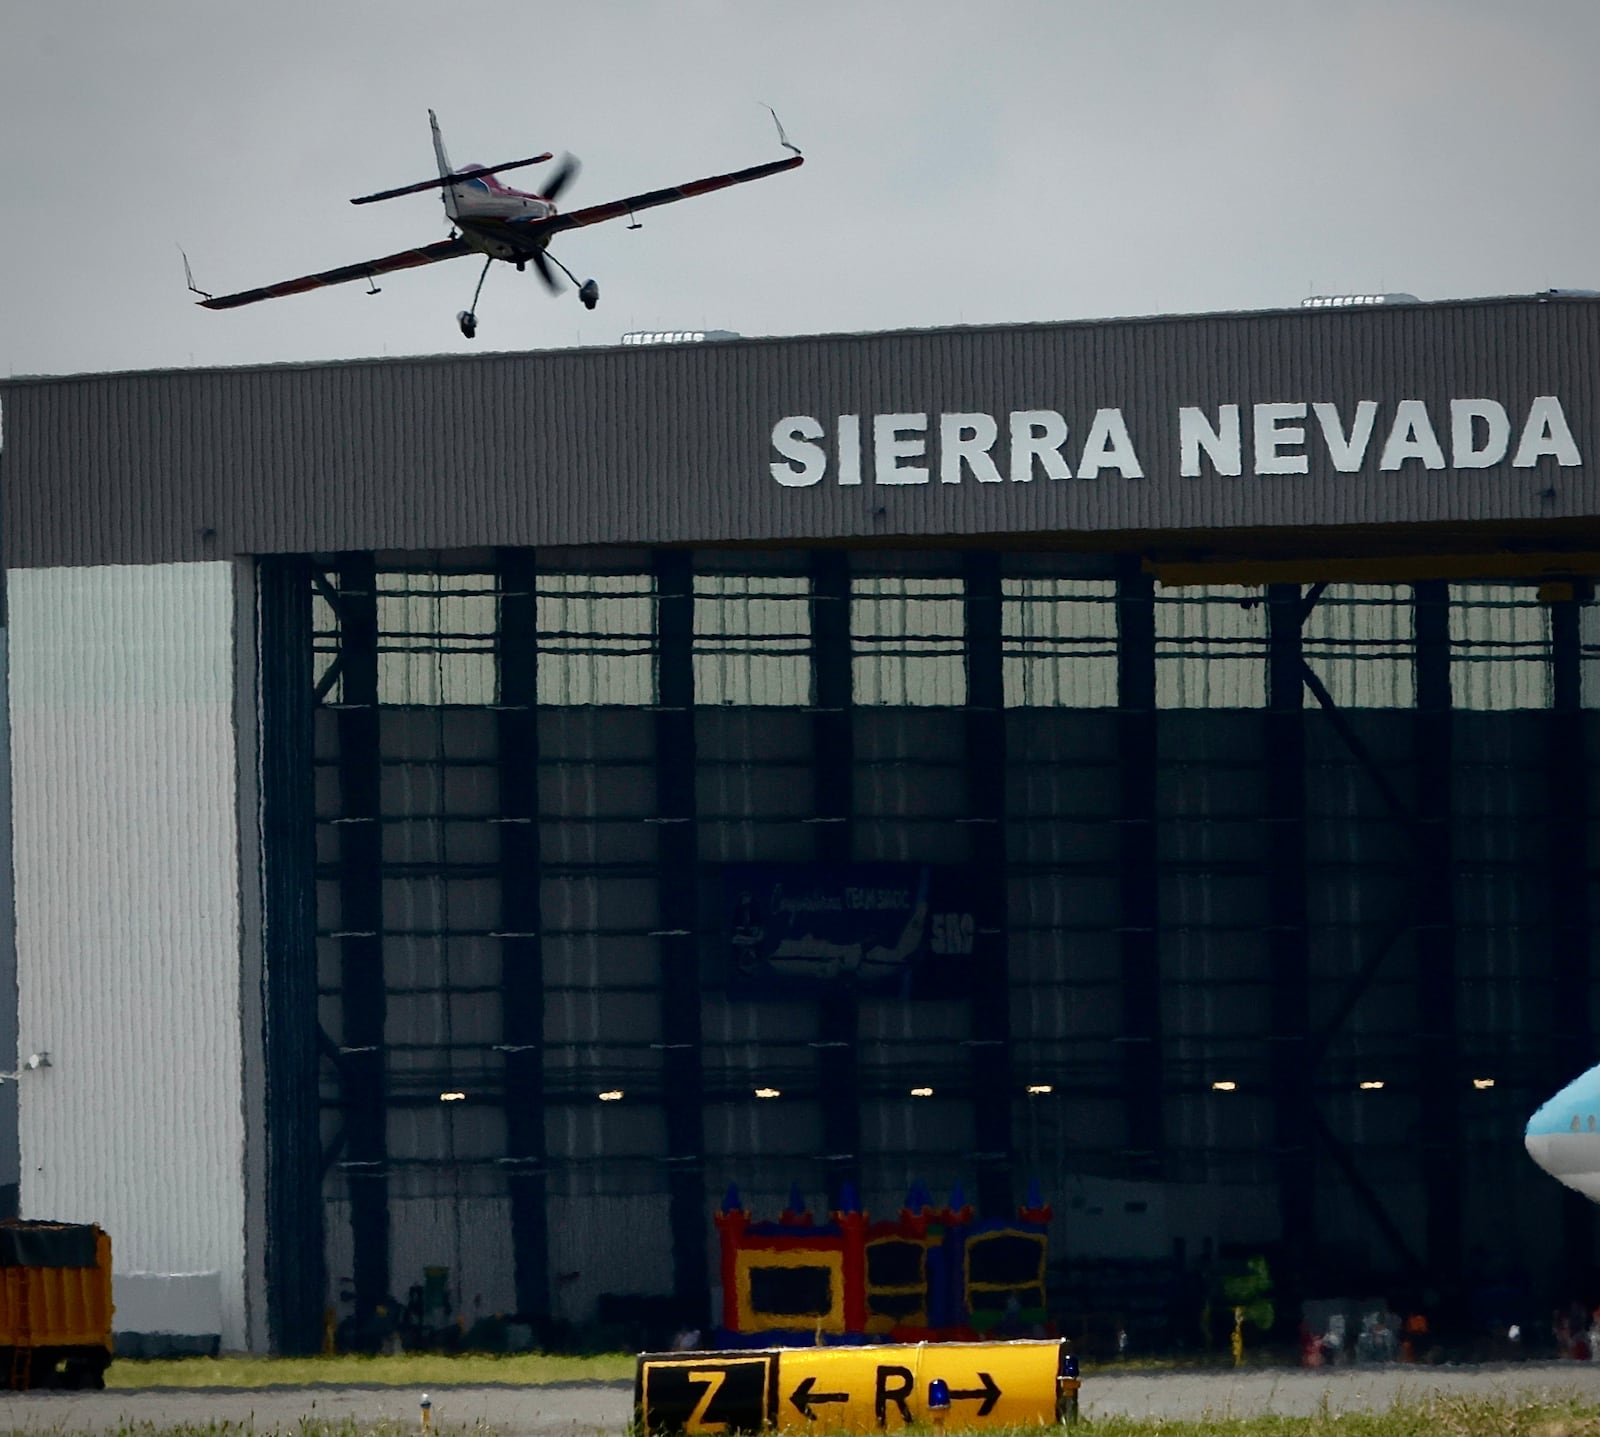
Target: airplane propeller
(565, 173)
(541, 262)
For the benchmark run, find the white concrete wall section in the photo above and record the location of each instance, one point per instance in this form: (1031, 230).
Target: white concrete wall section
(126, 844)
(186, 1303)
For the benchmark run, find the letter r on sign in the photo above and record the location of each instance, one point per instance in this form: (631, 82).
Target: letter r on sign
(894, 1385)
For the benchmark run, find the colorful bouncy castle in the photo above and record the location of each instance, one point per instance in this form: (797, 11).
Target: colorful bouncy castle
(933, 1274)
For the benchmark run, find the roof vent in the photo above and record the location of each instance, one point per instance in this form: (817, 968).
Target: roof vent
(1346, 301)
(676, 336)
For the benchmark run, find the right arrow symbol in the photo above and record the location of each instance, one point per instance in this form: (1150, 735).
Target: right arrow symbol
(989, 1392)
(804, 1398)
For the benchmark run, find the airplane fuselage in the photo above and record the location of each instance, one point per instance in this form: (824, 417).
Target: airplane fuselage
(1563, 1137)
(489, 216)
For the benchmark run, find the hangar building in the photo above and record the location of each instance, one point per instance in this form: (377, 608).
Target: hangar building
(409, 759)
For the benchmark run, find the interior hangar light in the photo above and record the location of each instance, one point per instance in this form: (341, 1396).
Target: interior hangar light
(611, 1095)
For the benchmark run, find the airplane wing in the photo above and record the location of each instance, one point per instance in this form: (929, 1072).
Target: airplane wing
(597, 214)
(406, 259)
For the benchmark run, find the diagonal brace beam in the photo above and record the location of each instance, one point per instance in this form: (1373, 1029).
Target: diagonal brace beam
(1362, 754)
(1365, 1195)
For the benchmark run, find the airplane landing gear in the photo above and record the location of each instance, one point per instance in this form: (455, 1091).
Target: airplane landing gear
(588, 291)
(468, 318)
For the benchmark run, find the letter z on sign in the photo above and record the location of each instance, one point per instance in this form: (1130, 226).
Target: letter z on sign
(708, 1392)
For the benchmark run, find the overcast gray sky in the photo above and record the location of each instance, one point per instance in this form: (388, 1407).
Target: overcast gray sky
(966, 163)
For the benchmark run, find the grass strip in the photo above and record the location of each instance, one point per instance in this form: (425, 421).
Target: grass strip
(1513, 1414)
(411, 1369)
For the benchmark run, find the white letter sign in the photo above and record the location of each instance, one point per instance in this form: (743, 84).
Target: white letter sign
(889, 448)
(793, 438)
(1411, 437)
(1107, 446)
(967, 439)
(849, 442)
(1037, 434)
(1272, 434)
(1220, 444)
(1497, 437)
(1347, 452)
(1546, 432)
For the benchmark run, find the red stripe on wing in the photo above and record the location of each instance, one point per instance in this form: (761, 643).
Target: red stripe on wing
(615, 209)
(406, 259)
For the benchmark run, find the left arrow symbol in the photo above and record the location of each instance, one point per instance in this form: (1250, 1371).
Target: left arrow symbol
(805, 1398)
(989, 1392)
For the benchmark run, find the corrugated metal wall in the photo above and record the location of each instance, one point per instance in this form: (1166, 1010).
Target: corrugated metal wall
(10, 1151)
(126, 860)
(675, 445)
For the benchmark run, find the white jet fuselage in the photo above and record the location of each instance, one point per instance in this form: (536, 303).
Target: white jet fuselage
(1563, 1137)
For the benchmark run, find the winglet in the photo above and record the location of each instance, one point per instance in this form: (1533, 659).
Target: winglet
(783, 139)
(188, 276)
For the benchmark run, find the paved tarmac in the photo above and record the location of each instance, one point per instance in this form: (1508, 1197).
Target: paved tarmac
(605, 1408)
(510, 1411)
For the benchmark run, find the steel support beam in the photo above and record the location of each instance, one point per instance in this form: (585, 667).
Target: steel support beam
(296, 1280)
(832, 780)
(1437, 1066)
(990, 1007)
(1288, 950)
(521, 929)
(1138, 875)
(1571, 1048)
(360, 933)
(677, 870)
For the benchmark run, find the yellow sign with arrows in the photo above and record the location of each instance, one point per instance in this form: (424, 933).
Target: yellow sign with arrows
(857, 1389)
(869, 1389)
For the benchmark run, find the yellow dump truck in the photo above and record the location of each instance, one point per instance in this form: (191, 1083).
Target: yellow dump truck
(55, 1304)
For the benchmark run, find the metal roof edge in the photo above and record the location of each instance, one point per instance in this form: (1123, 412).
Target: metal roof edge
(1561, 296)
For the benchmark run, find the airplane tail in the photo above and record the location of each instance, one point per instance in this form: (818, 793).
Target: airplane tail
(443, 159)
(438, 146)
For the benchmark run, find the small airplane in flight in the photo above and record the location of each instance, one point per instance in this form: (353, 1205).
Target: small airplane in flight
(1562, 1137)
(498, 222)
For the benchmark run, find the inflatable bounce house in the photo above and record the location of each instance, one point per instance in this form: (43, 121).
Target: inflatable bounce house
(933, 1274)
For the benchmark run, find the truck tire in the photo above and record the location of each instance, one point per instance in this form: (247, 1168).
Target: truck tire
(85, 1371)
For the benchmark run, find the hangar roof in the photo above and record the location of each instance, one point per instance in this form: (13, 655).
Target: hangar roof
(1404, 429)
